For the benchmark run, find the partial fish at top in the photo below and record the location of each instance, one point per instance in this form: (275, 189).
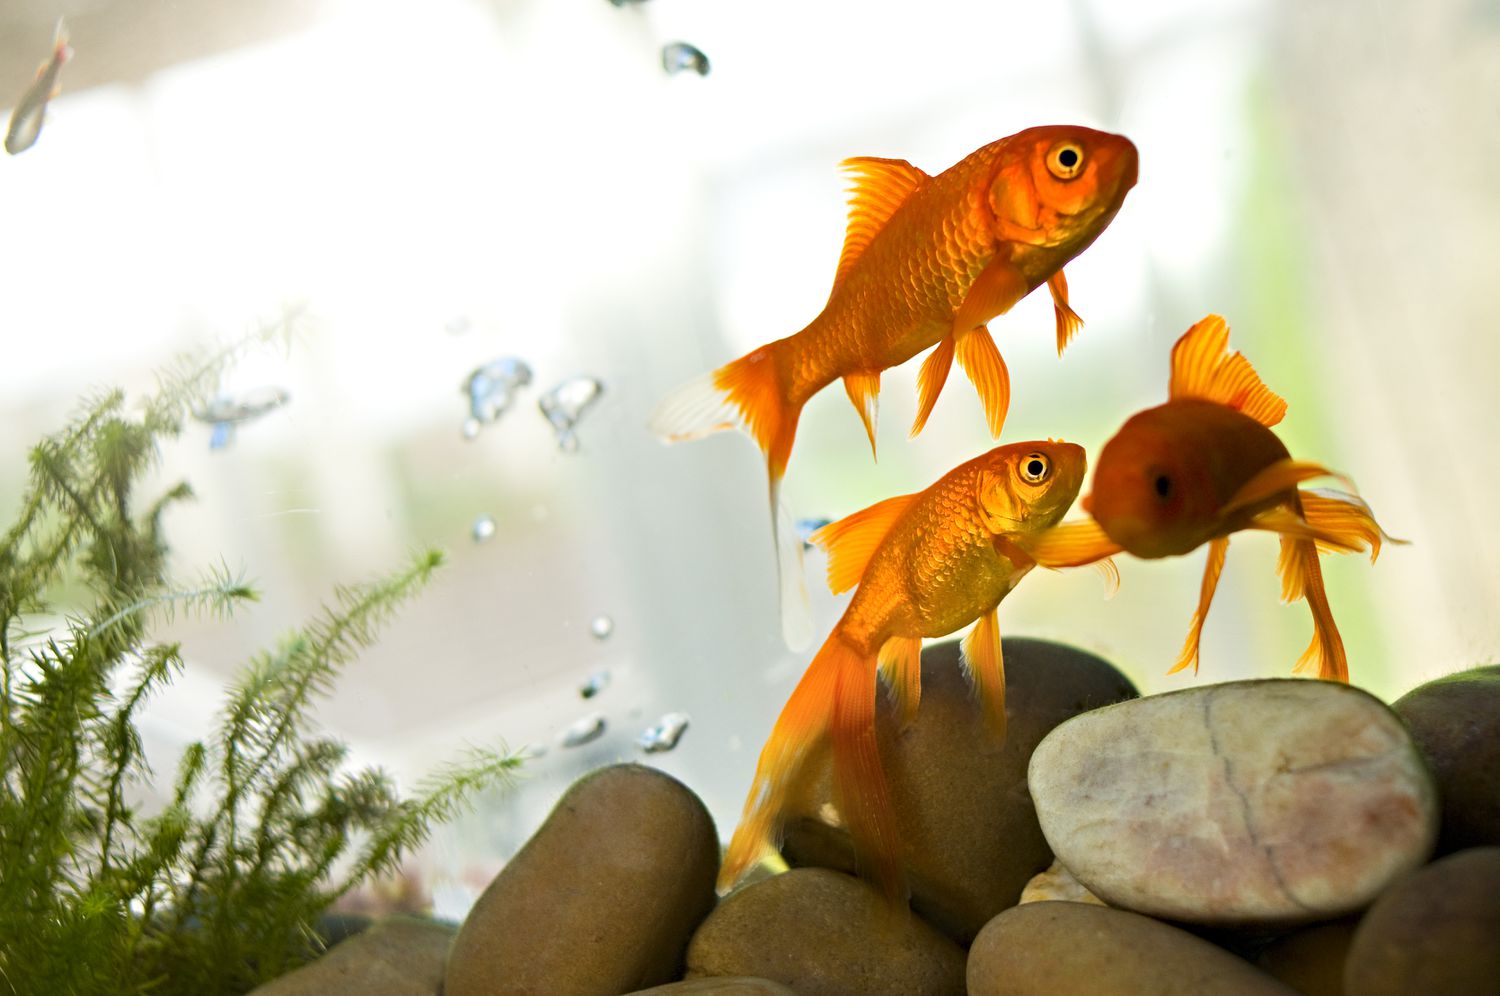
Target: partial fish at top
(927, 260)
(26, 119)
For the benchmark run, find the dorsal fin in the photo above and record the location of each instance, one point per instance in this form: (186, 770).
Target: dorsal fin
(1204, 368)
(852, 540)
(880, 187)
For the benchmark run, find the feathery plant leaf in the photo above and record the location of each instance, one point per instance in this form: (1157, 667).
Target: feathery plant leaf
(218, 890)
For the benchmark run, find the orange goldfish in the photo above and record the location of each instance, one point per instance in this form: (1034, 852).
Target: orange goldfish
(1203, 466)
(925, 565)
(927, 260)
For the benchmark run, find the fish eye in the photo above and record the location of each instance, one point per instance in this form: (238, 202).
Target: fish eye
(1163, 486)
(1034, 468)
(1065, 161)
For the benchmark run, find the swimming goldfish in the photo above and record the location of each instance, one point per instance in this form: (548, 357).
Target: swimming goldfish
(925, 564)
(927, 260)
(26, 119)
(1203, 466)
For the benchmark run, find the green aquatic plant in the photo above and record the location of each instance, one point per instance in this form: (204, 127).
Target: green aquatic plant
(217, 889)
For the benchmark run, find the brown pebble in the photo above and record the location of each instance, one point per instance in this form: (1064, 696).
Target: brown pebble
(1311, 960)
(1456, 723)
(1436, 932)
(742, 985)
(601, 900)
(969, 831)
(1078, 949)
(824, 932)
(398, 956)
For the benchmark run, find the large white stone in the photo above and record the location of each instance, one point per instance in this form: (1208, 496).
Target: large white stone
(1266, 802)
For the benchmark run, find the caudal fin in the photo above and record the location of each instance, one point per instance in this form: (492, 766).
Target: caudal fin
(835, 698)
(1301, 576)
(748, 395)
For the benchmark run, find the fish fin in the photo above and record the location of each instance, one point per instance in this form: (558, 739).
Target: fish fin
(222, 435)
(864, 391)
(852, 540)
(1290, 523)
(747, 395)
(791, 579)
(860, 788)
(997, 288)
(880, 186)
(1111, 575)
(1071, 544)
(1217, 548)
(985, 661)
(1068, 322)
(1273, 479)
(1203, 367)
(982, 362)
(930, 380)
(800, 726)
(1302, 577)
(1343, 522)
(901, 667)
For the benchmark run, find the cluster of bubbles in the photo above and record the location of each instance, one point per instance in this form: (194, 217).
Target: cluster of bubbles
(492, 389)
(657, 738)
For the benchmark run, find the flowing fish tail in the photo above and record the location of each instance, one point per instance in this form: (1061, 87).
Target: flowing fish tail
(1320, 521)
(749, 395)
(835, 697)
(1302, 577)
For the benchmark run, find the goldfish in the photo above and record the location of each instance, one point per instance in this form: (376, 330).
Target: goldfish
(1206, 465)
(26, 119)
(927, 260)
(922, 565)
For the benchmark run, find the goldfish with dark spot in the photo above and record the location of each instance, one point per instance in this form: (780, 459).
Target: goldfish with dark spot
(26, 119)
(1206, 465)
(927, 260)
(924, 564)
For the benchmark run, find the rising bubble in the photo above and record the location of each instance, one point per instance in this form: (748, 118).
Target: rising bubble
(678, 57)
(665, 734)
(491, 390)
(596, 683)
(806, 527)
(484, 528)
(565, 404)
(225, 412)
(601, 627)
(590, 727)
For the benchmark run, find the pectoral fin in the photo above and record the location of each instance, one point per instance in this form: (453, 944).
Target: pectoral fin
(1071, 544)
(864, 392)
(986, 664)
(994, 292)
(982, 362)
(1068, 322)
(1272, 480)
(1217, 548)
